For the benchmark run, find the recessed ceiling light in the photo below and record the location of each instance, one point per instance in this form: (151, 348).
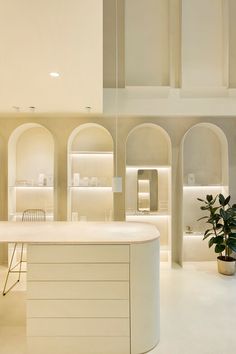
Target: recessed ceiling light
(54, 74)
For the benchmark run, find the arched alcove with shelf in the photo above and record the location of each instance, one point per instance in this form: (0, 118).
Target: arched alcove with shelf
(205, 171)
(90, 172)
(148, 181)
(30, 171)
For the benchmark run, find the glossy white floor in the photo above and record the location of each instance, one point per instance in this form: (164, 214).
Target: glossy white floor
(198, 313)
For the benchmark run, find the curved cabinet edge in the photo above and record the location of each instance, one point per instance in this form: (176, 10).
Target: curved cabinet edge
(144, 296)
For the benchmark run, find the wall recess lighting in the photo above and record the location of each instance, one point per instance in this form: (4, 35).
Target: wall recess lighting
(54, 74)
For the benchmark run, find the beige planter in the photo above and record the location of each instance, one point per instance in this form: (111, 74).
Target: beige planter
(226, 267)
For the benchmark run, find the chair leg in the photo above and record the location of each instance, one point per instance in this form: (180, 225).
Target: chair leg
(10, 270)
(21, 259)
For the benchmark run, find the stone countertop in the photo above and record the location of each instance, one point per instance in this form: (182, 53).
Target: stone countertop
(115, 232)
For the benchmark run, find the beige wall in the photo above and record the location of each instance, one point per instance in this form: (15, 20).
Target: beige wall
(202, 43)
(147, 42)
(62, 126)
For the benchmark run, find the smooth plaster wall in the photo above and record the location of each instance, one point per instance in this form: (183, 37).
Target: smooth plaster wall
(202, 43)
(147, 42)
(202, 156)
(62, 126)
(113, 43)
(232, 43)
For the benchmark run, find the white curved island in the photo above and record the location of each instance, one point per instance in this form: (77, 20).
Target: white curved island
(92, 288)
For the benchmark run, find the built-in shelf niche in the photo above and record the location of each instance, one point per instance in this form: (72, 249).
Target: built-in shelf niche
(148, 148)
(90, 172)
(30, 171)
(205, 171)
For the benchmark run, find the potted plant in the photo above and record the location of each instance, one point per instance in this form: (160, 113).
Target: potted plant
(222, 232)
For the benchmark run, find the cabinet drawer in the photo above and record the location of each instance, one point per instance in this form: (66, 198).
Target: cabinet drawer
(93, 327)
(78, 290)
(78, 308)
(86, 345)
(78, 253)
(78, 272)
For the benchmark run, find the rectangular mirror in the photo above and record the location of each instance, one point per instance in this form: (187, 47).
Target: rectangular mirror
(147, 182)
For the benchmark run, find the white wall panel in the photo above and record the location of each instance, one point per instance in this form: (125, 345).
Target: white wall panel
(202, 43)
(147, 43)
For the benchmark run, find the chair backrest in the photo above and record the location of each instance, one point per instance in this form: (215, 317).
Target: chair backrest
(34, 215)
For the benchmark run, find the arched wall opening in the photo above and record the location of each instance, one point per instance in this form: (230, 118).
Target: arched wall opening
(148, 153)
(90, 172)
(205, 171)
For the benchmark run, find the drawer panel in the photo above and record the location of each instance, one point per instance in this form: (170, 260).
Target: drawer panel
(50, 327)
(78, 308)
(78, 290)
(76, 345)
(78, 271)
(78, 253)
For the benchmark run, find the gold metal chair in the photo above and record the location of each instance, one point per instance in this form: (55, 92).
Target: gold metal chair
(28, 215)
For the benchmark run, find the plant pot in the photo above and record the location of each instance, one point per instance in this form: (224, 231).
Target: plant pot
(226, 266)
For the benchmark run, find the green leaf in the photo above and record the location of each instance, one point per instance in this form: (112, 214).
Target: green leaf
(213, 210)
(223, 214)
(207, 231)
(204, 208)
(211, 242)
(219, 248)
(227, 200)
(201, 200)
(219, 226)
(203, 217)
(209, 198)
(232, 235)
(221, 199)
(218, 239)
(206, 236)
(231, 241)
(214, 200)
(232, 245)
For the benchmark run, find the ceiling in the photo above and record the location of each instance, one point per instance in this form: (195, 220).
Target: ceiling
(42, 36)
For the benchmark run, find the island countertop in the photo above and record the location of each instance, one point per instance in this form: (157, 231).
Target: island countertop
(77, 232)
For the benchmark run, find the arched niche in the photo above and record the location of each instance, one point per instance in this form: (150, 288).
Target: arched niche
(148, 148)
(205, 171)
(90, 172)
(30, 170)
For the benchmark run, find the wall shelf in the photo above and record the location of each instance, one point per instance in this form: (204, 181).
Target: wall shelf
(91, 153)
(94, 189)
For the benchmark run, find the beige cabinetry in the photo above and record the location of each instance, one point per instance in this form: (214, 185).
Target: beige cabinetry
(94, 297)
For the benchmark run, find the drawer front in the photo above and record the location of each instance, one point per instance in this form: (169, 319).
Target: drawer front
(75, 345)
(53, 327)
(78, 253)
(78, 290)
(78, 308)
(72, 272)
